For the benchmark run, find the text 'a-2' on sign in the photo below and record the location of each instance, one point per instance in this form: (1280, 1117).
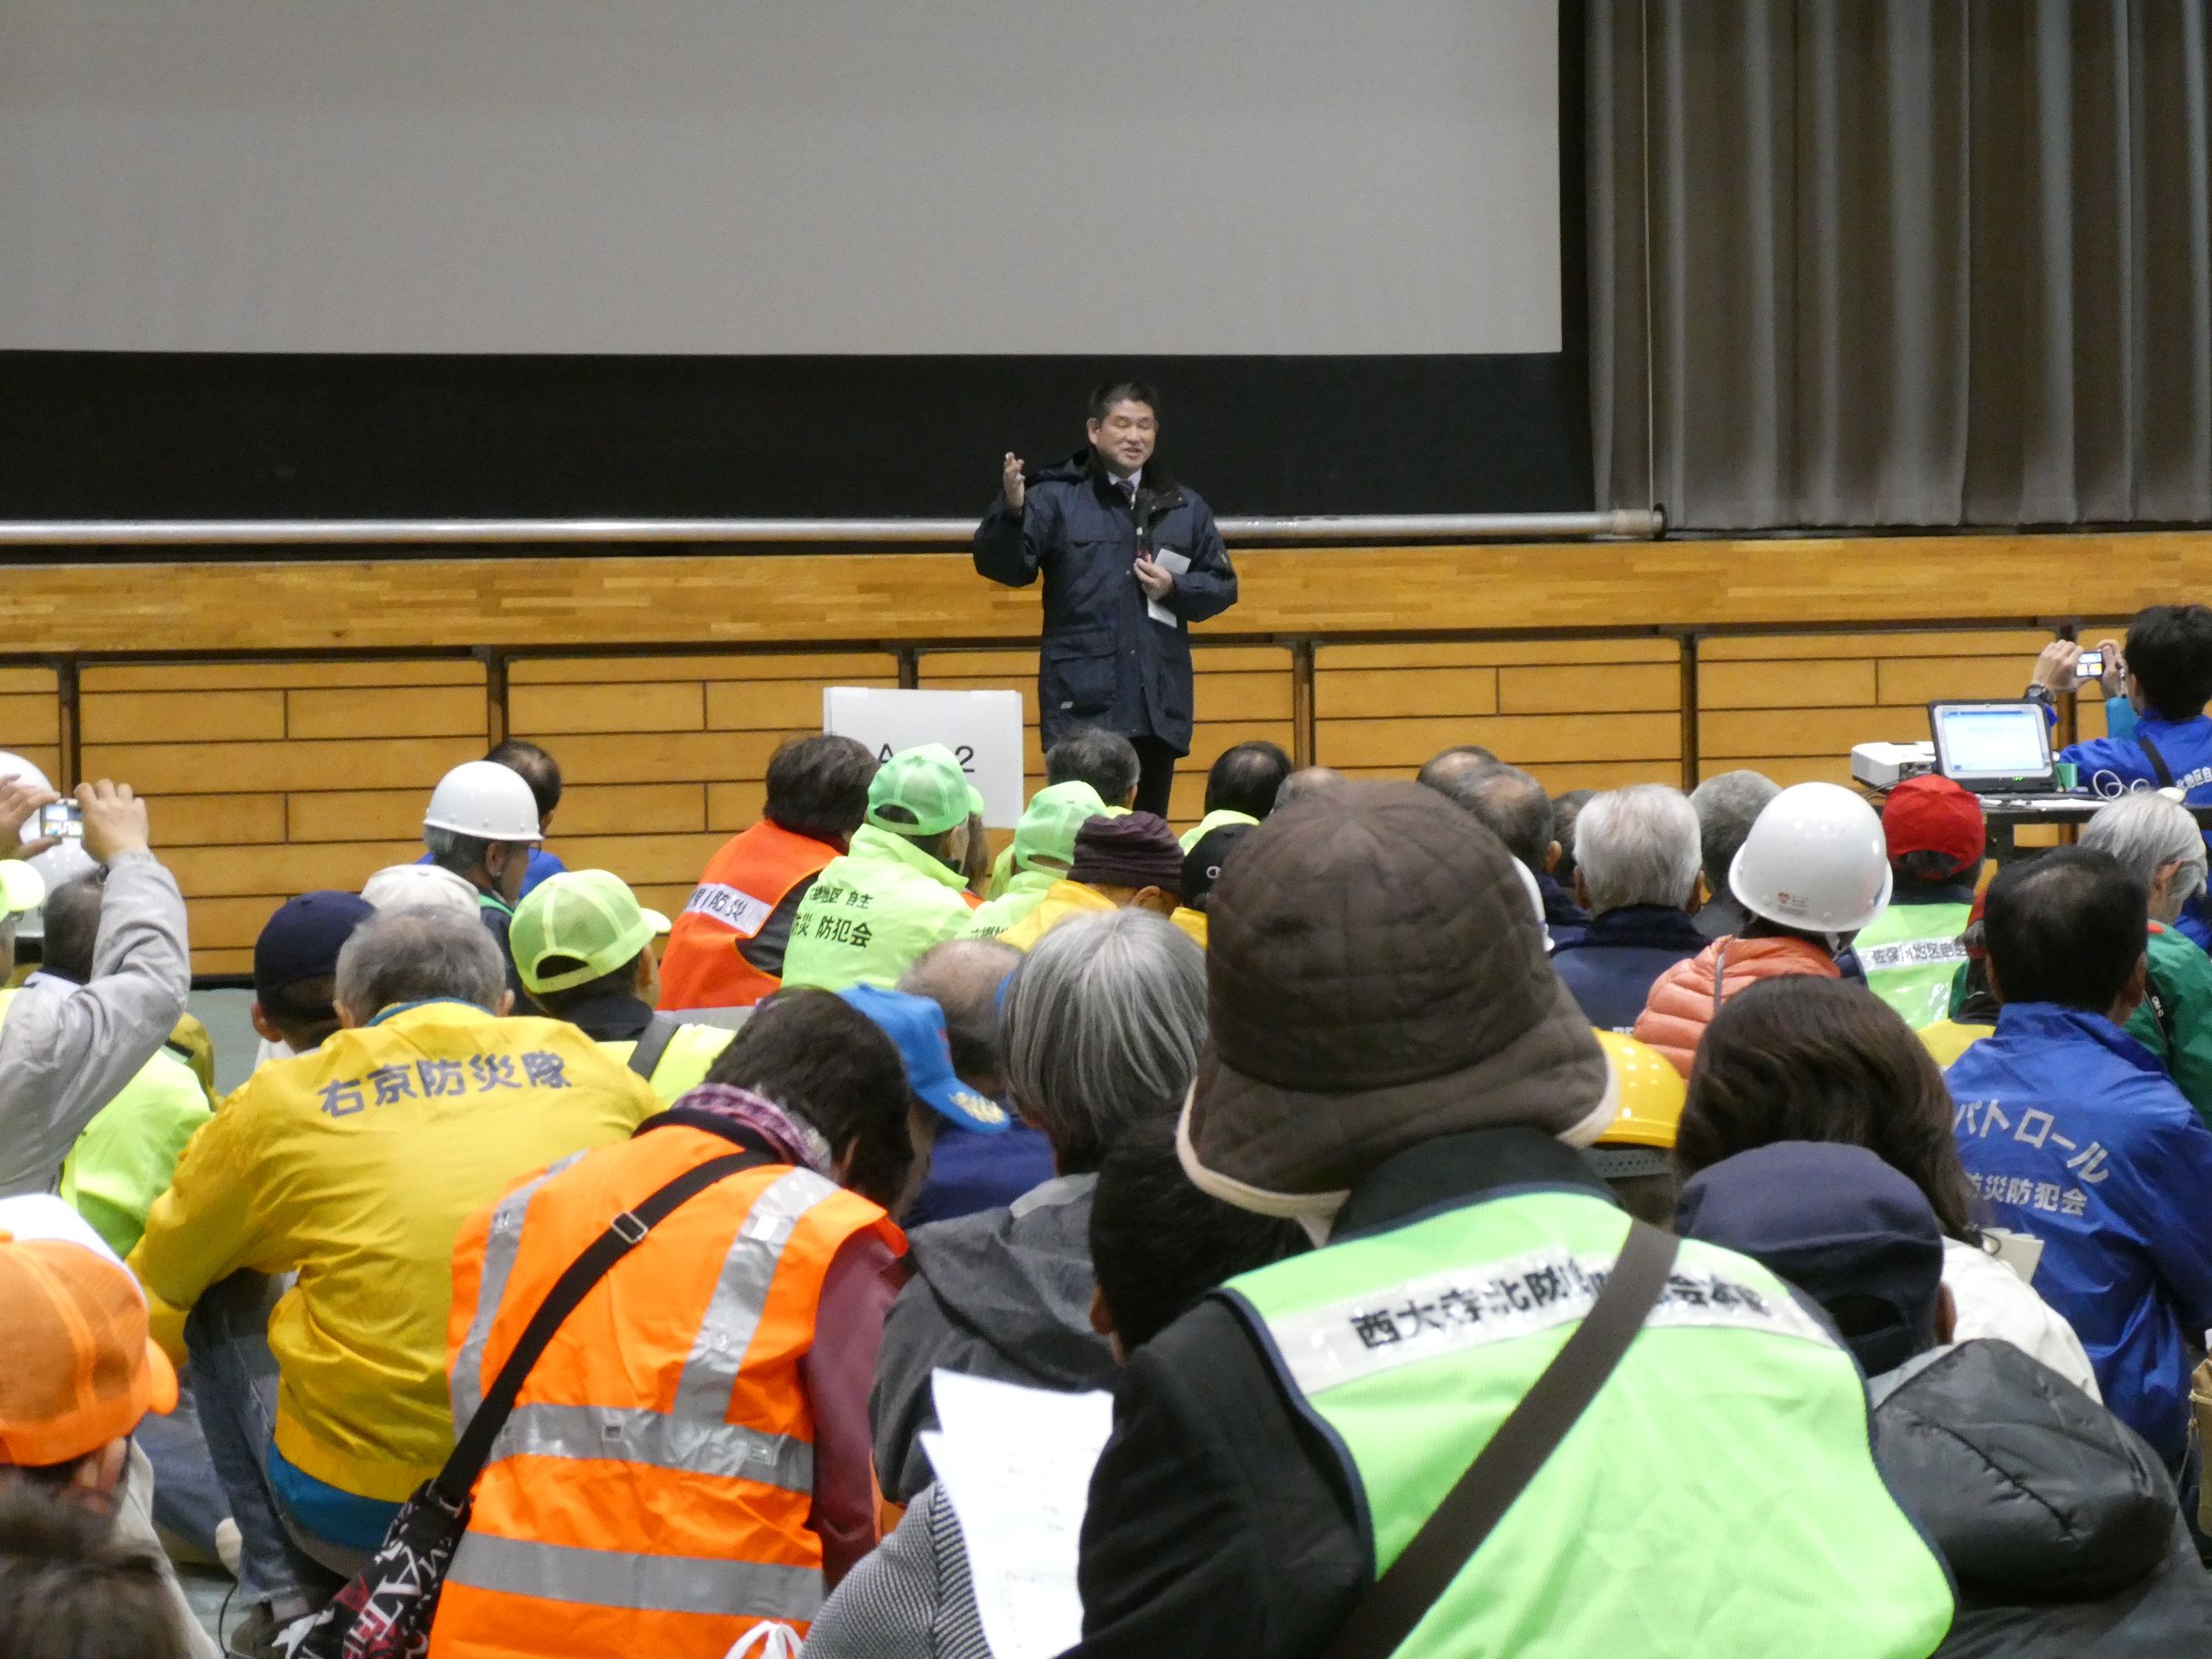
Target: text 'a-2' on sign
(983, 730)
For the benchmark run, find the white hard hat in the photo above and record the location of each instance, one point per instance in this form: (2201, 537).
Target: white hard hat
(419, 887)
(1535, 901)
(1816, 860)
(13, 765)
(484, 799)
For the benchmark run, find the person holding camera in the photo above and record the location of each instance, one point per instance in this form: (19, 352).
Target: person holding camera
(65, 1049)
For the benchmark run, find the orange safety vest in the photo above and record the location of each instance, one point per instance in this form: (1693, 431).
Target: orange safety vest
(650, 1492)
(743, 882)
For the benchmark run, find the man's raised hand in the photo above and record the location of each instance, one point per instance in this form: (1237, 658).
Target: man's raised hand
(1010, 483)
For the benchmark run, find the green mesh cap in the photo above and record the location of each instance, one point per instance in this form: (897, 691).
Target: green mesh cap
(1045, 838)
(587, 916)
(927, 782)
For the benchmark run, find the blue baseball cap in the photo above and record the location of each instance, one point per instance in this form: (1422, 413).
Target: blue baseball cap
(917, 1025)
(302, 941)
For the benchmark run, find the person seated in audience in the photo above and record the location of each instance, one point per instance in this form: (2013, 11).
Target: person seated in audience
(2158, 734)
(726, 949)
(1043, 853)
(916, 1026)
(1201, 867)
(482, 825)
(1307, 782)
(296, 964)
(1804, 1057)
(584, 947)
(66, 1050)
(902, 885)
(1120, 862)
(1727, 806)
(1813, 871)
(1103, 1023)
(689, 1459)
(1634, 1153)
(543, 774)
(1636, 876)
(351, 1168)
(419, 886)
(1408, 1082)
(2074, 1134)
(1240, 789)
(1911, 952)
(2063, 1535)
(1157, 1244)
(1566, 812)
(1512, 805)
(83, 1376)
(121, 1162)
(2157, 842)
(1441, 768)
(1106, 760)
(1973, 1011)
(969, 1172)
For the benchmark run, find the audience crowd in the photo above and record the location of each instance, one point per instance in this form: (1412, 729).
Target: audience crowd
(1745, 1222)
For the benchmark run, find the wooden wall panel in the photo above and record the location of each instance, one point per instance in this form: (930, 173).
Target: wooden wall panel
(1791, 706)
(662, 756)
(1579, 714)
(1243, 695)
(31, 719)
(269, 778)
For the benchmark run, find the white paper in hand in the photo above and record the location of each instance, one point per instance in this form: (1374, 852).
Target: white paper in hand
(1175, 564)
(1016, 1464)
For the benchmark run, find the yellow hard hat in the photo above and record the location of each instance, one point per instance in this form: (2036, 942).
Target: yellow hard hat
(1651, 1094)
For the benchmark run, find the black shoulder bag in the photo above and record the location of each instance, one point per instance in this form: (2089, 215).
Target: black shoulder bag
(385, 1613)
(1386, 1615)
(651, 1043)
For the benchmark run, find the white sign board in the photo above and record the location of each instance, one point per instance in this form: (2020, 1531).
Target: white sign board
(983, 728)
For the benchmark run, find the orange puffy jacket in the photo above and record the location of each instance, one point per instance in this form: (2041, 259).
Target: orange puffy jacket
(1688, 994)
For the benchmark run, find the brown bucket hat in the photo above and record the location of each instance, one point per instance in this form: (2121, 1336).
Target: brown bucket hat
(1376, 979)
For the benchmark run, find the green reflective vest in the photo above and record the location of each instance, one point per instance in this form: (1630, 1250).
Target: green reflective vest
(871, 912)
(1025, 892)
(2174, 1019)
(1910, 952)
(125, 1157)
(1219, 819)
(683, 1065)
(1719, 1499)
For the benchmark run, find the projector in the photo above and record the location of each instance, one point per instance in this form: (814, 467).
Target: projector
(1884, 765)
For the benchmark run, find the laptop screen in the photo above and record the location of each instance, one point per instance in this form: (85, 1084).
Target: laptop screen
(1991, 742)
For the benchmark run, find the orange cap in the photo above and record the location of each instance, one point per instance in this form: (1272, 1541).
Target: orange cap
(80, 1369)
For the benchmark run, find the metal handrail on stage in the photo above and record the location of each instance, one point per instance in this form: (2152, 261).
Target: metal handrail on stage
(1637, 524)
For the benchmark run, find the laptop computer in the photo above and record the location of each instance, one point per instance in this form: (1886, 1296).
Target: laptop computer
(1994, 748)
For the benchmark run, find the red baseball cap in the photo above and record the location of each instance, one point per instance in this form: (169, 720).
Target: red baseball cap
(1929, 814)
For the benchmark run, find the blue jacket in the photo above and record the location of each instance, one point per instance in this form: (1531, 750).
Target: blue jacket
(1611, 968)
(970, 1173)
(1563, 920)
(1103, 661)
(2072, 1131)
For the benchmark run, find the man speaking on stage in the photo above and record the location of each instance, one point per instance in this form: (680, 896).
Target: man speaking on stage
(1130, 560)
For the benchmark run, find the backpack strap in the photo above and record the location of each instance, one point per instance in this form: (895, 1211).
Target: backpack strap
(1386, 1615)
(2158, 766)
(651, 1043)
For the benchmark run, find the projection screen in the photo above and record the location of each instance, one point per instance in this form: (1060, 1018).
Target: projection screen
(688, 177)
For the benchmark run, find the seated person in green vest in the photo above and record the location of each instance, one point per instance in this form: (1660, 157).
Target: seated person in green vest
(1912, 950)
(583, 945)
(1240, 789)
(1106, 760)
(2156, 841)
(901, 887)
(482, 825)
(1043, 853)
(1131, 860)
(1395, 1066)
(1973, 1011)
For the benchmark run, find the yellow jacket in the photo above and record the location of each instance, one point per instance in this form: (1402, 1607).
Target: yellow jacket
(355, 1165)
(1061, 900)
(1947, 1039)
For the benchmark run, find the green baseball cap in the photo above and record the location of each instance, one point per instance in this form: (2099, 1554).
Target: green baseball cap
(927, 782)
(587, 917)
(1045, 838)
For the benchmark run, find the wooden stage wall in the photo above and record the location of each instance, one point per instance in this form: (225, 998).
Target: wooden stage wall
(288, 716)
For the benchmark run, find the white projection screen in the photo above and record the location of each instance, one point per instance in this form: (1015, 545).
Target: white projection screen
(740, 177)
